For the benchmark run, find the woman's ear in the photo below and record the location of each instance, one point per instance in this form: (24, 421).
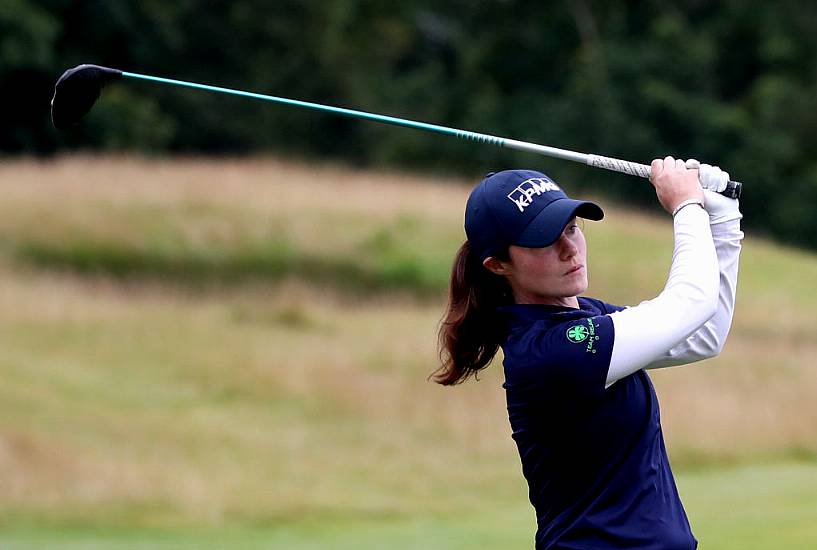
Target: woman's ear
(495, 266)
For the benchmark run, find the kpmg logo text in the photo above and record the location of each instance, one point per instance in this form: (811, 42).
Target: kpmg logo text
(523, 195)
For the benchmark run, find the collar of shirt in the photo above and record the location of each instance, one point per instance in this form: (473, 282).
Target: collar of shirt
(523, 315)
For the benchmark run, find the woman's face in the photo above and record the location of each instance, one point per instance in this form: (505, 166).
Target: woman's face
(552, 275)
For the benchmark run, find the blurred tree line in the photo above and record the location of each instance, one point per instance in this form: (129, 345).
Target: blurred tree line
(731, 83)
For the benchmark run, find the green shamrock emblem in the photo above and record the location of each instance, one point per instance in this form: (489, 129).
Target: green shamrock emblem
(577, 334)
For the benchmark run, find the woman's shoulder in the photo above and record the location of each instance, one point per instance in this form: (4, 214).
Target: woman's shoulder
(597, 306)
(571, 356)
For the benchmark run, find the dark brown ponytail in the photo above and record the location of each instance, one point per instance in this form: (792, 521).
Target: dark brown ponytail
(471, 331)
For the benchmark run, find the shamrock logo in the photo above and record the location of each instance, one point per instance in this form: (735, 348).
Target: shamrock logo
(577, 334)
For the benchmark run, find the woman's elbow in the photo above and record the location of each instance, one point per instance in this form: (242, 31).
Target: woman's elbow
(718, 346)
(709, 345)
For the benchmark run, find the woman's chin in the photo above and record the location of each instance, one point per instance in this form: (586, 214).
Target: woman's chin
(576, 283)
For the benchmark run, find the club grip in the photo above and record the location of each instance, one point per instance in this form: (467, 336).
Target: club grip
(733, 188)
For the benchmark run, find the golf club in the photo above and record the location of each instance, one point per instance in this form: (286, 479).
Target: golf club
(78, 89)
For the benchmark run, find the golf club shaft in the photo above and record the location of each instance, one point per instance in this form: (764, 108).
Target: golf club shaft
(597, 161)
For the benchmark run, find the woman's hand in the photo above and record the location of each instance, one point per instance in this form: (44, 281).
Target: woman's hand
(675, 183)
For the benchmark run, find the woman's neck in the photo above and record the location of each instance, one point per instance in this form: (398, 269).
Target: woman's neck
(561, 301)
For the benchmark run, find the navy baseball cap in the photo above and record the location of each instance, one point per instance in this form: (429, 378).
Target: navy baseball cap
(522, 208)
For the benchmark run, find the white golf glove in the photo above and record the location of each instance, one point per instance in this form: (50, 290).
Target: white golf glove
(713, 180)
(711, 177)
(720, 208)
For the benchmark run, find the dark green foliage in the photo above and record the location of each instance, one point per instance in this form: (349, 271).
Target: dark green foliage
(732, 83)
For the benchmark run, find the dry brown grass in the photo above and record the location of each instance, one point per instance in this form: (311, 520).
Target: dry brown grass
(263, 401)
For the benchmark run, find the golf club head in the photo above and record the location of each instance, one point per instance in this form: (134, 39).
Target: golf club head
(76, 92)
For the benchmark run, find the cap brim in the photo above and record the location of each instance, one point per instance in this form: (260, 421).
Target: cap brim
(546, 227)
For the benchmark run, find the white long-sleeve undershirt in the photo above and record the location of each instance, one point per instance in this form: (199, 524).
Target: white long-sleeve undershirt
(690, 319)
(708, 341)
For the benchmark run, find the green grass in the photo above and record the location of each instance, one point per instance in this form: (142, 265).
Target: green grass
(388, 266)
(227, 353)
(740, 508)
(753, 506)
(385, 257)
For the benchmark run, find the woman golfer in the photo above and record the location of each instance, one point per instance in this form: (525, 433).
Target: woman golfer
(583, 411)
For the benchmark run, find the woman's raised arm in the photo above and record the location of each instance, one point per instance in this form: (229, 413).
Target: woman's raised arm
(646, 332)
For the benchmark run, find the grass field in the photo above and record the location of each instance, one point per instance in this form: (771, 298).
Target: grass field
(200, 353)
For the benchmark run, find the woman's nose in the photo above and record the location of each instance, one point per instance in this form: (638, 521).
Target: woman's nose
(566, 248)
